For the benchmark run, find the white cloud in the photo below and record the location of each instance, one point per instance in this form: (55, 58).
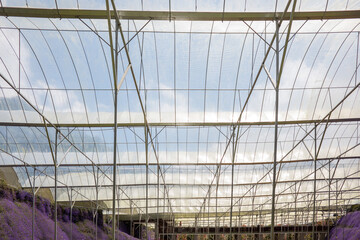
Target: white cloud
(9, 67)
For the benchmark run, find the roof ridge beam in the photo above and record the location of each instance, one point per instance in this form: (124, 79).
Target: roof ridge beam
(178, 16)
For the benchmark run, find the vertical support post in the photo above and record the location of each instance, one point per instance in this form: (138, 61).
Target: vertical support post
(196, 228)
(252, 215)
(295, 210)
(314, 198)
(329, 189)
(276, 132)
(173, 231)
(118, 198)
(208, 216)
(232, 180)
(71, 209)
(240, 220)
(165, 237)
(357, 57)
(289, 221)
(216, 211)
(114, 61)
(131, 219)
(147, 182)
(114, 164)
(114, 66)
(33, 208)
(140, 227)
(239, 223)
(336, 204)
(97, 204)
(7, 147)
(157, 203)
(55, 164)
(19, 58)
(259, 222)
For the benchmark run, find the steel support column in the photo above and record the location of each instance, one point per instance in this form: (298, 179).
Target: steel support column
(118, 25)
(33, 208)
(196, 228)
(276, 131)
(147, 181)
(131, 220)
(314, 198)
(114, 163)
(97, 204)
(295, 211)
(71, 210)
(55, 190)
(216, 207)
(232, 178)
(164, 214)
(157, 204)
(118, 199)
(114, 58)
(329, 212)
(208, 217)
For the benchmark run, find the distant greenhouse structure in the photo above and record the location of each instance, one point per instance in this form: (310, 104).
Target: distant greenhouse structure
(192, 119)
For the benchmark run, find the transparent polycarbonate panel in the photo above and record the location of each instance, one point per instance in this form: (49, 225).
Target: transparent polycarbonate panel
(194, 80)
(197, 80)
(191, 5)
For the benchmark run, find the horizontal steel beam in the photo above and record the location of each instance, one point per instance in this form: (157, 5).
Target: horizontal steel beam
(178, 16)
(263, 211)
(256, 206)
(177, 163)
(305, 193)
(235, 213)
(180, 124)
(197, 184)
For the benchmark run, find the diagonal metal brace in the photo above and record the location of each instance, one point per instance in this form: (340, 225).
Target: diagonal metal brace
(271, 79)
(123, 77)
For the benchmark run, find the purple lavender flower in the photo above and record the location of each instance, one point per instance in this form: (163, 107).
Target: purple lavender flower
(16, 219)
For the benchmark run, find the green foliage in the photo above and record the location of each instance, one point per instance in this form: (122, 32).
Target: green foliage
(308, 236)
(290, 236)
(355, 208)
(3, 236)
(2, 183)
(231, 237)
(181, 237)
(247, 237)
(18, 204)
(203, 237)
(267, 237)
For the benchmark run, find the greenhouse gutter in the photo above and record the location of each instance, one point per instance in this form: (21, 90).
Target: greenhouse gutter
(203, 185)
(178, 16)
(180, 124)
(181, 164)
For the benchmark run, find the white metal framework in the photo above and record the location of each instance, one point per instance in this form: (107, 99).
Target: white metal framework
(201, 113)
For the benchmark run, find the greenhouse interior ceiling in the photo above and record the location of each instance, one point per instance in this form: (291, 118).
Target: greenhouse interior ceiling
(203, 114)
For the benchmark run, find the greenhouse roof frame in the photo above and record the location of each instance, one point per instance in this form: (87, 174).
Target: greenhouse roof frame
(339, 164)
